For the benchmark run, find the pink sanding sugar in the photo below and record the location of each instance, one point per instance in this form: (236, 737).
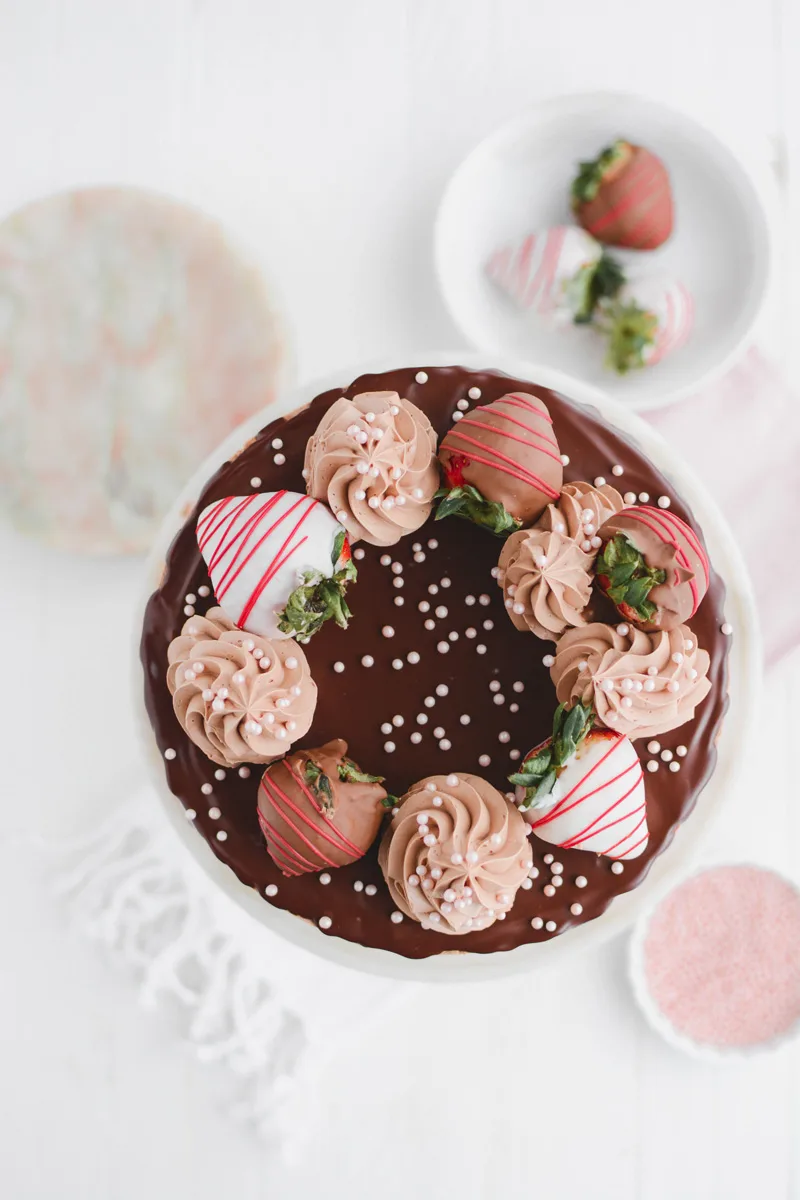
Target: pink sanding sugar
(722, 956)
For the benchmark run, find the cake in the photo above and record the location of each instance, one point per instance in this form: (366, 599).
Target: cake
(398, 750)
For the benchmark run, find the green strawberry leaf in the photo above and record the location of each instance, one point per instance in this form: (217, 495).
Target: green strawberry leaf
(630, 331)
(319, 783)
(318, 599)
(350, 773)
(390, 801)
(630, 580)
(592, 283)
(590, 175)
(540, 772)
(467, 502)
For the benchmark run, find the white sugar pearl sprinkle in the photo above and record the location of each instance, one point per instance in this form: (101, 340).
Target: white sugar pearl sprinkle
(424, 606)
(617, 469)
(279, 459)
(385, 560)
(663, 501)
(551, 926)
(443, 647)
(204, 591)
(244, 772)
(465, 718)
(537, 923)
(190, 814)
(398, 664)
(565, 460)
(644, 497)
(170, 754)
(358, 886)
(398, 581)
(548, 660)
(681, 751)
(494, 686)
(474, 393)
(480, 648)
(548, 858)
(442, 689)
(416, 738)
(600, 481)
(206, 789)
(666, 756)
(499, 698)
(576, 909)
(397, 568)
(419, 557)
(726, 629)
(396, 917)
(271, 889)
(445, 744)
(412, 657)
(324, 878)
(433, 589)
(387, 631)
(617, 868)
(429, 701)
(255, 481)
(370, 889)
(445, 583)
(652, 766)
(338, 667)
(389, 747)
(484, 599)
(221, 835)
(438, 732)
(214, 813)
(189, 610)
(421, 376)
(325, 922)
(277, 443)
(629, 497)
(440, 611)
(429, 624)
(397, 720)
(557, 868)
(674, 766)
(358, 553)
(581, 881)
(549, 890)
(484, 760)
(504, 736)
(653, 747)
(367, 660)
(386, 727)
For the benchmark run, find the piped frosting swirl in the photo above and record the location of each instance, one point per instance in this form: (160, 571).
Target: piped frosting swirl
(580, 511)
(239, 697)
(373, 459)
(546, 581)
(455, 853)
(641, 684)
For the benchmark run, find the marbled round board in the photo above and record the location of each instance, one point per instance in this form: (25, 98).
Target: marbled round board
(133, 337)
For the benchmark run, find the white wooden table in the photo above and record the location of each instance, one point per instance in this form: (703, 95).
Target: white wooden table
(323, 132)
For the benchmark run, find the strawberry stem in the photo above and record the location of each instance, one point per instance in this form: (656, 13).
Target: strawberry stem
(631, 330)
(592, 173)
(467, 502)
(543, 767)
(627, 580)
(592, 283)
(320, 597)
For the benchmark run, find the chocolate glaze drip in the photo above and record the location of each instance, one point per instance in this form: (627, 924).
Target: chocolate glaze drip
(355, 703)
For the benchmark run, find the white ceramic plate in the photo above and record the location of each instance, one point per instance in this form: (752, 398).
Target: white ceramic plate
(518, 180)
(745, 660)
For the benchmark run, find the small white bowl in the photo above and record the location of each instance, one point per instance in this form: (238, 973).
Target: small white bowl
(518, 180)
(656, 1018)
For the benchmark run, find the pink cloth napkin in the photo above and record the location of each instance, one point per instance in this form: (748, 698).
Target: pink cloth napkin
(742, 437)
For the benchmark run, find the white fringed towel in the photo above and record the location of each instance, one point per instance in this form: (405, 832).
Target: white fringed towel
(271, 1013)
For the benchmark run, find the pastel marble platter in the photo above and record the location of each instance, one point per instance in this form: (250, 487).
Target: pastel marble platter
(133, 337)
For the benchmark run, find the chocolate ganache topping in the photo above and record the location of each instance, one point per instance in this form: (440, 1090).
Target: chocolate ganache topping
(484, 702)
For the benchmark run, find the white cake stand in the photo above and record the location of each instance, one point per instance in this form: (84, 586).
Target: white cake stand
(744, 671)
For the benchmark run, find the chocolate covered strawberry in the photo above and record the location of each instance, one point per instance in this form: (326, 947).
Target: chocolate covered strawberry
(501, 464)
(318, 809)
(653, 566)
(650, 317)
(560, 273)
(279, 562)
(583, 789)
(623, 197)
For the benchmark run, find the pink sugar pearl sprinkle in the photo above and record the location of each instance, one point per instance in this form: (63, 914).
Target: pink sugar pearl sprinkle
(722, 957)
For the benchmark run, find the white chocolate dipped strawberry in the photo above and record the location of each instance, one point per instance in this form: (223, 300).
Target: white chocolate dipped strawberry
(583, 789)
(279, 562)
(560, 273)
(650, 317)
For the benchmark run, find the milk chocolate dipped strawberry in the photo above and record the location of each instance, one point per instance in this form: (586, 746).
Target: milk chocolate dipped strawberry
(583, 788)
(623, 197)
(653, 566)
(560, 273)
(318, 809)
(501, 464)
(279, 562)
(650, 318)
